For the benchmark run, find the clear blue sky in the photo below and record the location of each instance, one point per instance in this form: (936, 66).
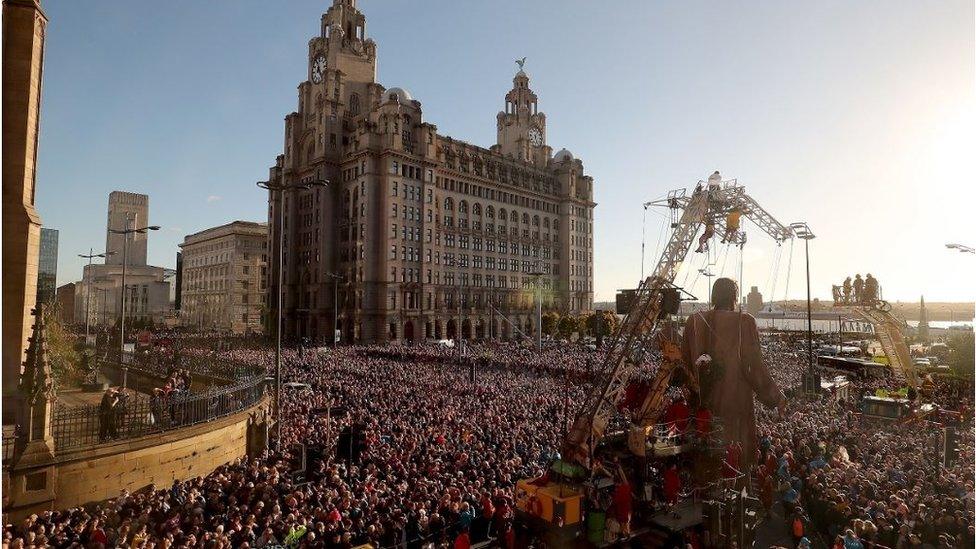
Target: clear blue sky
(853, 116)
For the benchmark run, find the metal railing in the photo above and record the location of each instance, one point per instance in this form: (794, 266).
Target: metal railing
(135, 416)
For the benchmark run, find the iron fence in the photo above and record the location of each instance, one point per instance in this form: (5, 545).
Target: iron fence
(136, 415)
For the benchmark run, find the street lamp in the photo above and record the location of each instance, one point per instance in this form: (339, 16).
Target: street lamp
(88, 282)
(802, 231)
(280, 187)
(708, 291)
(336, 277)
(961, 247)
(538, 308)
(125, 260)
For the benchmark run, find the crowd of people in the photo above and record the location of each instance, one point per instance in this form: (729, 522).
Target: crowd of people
(440, 452)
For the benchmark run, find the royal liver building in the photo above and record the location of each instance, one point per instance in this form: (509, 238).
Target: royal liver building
(420, 235)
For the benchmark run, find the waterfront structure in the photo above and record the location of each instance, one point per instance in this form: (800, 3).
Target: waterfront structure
(923, 322)
(223, 280)
(754, 301)
(420, 235)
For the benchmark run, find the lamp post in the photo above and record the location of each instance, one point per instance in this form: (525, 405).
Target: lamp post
(88, 282)
(125, 260)
(803, 232)
(280, 187)
(538, 309)
(336, 277)
(708, 291)
(962, 248)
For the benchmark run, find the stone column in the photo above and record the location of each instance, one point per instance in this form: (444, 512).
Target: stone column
(23, 54)
(34, 477)
(37, 392)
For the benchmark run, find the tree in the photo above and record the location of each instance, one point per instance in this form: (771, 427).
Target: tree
(550, 323)
(961, 353)
(567, 325)
(62, 350)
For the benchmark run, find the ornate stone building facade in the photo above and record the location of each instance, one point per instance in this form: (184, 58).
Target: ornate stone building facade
(24, 25)
(223, 277)
(423, 235)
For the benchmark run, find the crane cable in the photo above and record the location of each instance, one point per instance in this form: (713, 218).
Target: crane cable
(789, 266)
(774, 273)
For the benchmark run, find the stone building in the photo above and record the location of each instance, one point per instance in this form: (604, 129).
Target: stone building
(425, 235)
(64, 300)
(754, 302)
(99, 292)
(24, 25)
(223, 277)
(131, 208)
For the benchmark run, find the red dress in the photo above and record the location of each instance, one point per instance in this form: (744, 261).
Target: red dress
(622, 502)
(672, 485)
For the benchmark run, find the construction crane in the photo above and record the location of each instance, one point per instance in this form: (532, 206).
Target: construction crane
(887, 328)
(635, 338)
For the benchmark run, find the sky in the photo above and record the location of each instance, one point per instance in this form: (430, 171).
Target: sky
(856, 117)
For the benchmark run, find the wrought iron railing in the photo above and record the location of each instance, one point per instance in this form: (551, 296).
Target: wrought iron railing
(137, 415)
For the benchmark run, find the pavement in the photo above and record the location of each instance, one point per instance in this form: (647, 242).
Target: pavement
(775, 531)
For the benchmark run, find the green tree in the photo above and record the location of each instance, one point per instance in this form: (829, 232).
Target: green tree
(63, 350)
(550, 323)
(567, 325)
(610, 323)
(961, 353)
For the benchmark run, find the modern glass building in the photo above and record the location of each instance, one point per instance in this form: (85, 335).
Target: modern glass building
(47, 266)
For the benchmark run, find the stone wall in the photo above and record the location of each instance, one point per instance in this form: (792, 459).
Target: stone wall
(100, 473)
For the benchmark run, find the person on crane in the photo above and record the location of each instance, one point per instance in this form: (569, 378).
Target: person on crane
(704, 238)
(847, 290)
(858, 288)
(870, 288)
(730, 341)
(731, 226)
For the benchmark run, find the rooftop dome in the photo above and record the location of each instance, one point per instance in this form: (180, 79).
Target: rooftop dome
(562, 155)
(402, 95)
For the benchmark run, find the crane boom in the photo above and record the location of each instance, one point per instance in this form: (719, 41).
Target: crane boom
(634, 338)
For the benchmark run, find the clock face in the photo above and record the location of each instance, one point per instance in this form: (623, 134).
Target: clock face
(535, 137)
(318, 69)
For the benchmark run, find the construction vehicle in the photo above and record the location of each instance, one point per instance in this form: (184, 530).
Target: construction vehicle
(599, 456)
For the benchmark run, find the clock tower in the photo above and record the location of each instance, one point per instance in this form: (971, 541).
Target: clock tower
(521, 127)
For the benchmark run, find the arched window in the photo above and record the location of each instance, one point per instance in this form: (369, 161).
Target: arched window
(490, 212)
(545, 222)
(463, 207)
(535, 220)
(555, 224)
(448, 204)
(515, 217)
(476, 209)
(354, 104)
(502, 214)
(525, 219)
(311, 153)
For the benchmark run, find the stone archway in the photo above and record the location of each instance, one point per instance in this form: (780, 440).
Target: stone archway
(408, 332)
(466, 331)
(451, 329)
(480, 329)
(428, 330)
